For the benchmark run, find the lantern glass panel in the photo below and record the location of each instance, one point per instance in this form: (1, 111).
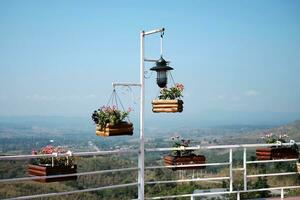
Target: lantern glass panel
(161, 78)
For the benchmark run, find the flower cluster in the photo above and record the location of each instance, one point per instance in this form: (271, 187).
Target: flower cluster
(107, 114)
(57, 161)
(271, 138)
(172, 92)
(179, 143)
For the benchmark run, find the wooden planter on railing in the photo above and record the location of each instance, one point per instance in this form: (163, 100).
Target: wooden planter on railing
(167, 106)
(177, 161)
(123, 128)
(275, 153)
(40, 170)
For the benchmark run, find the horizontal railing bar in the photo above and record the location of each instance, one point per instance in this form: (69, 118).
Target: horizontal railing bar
(226, 192)
(238, 169)
(192, 165)
(188, 180)
(218, 147)
(272, 174)
(99, 153)
(68, 175)
(191, 195)
(270, 161)
(73, 192)
(78, 154)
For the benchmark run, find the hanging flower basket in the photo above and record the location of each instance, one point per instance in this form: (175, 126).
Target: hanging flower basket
(48, 166)
(178, 161)
(275, 153)
(110, 122)
(39, 170)
(167, 106)
(122, 128)
(169, 100)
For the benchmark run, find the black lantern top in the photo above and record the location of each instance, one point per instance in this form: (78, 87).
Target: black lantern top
(161, 67)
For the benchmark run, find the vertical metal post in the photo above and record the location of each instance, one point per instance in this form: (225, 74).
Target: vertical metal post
(141, 157)
(245, 168)
(281, 194)
(238, 196)
(230, 170)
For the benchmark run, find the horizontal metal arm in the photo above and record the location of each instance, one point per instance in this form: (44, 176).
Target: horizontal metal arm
(126, 84)
(154, 31)
(153, 60)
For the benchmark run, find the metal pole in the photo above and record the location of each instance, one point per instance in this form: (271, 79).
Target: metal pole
(245, 169)
(230, 170)
(141, 157)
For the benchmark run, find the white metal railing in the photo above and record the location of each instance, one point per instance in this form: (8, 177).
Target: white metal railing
(149, 150)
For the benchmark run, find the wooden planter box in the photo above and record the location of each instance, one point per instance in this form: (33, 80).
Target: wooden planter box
(167, 106)
(39, 170)
(184, 160)
(123, 128)
(275, 153)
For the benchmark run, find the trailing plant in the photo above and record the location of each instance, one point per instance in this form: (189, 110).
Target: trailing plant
(181, 143)
(111, 115)
(271, 138)
(55, 160)
(172, 92)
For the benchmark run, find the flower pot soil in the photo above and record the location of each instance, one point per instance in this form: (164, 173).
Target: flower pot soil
(274, 153)
(40, 170)
(167, 106)
(120, 129)
(176, 161)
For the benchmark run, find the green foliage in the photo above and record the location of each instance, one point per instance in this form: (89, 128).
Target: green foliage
(109, 115)
(177, 143)
(172, 92)
(57, 160)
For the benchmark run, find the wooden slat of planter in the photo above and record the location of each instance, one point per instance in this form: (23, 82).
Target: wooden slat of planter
(161, 101)
(184, 160)
(120, 129)
(261, 153)
(263, 157)
(107, 134)
(166, 106)
(167, 110)
(120, 125)
(276, 153)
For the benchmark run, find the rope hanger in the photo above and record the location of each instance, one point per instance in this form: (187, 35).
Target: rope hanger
(115, 100)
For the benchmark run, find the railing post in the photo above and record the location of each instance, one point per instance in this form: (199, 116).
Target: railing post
(230, 170)
(237, 196)
(245, 168)
(282, 194)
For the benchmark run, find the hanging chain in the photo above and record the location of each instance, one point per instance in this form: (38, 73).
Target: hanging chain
(172, 78)
(161, 43)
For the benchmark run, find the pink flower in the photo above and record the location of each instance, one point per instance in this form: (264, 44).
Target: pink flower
(180, 86)
(130, 109)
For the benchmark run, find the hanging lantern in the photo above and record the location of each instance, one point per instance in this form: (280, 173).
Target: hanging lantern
(161, 67)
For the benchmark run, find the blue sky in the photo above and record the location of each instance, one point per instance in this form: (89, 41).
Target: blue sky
(237, 59)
